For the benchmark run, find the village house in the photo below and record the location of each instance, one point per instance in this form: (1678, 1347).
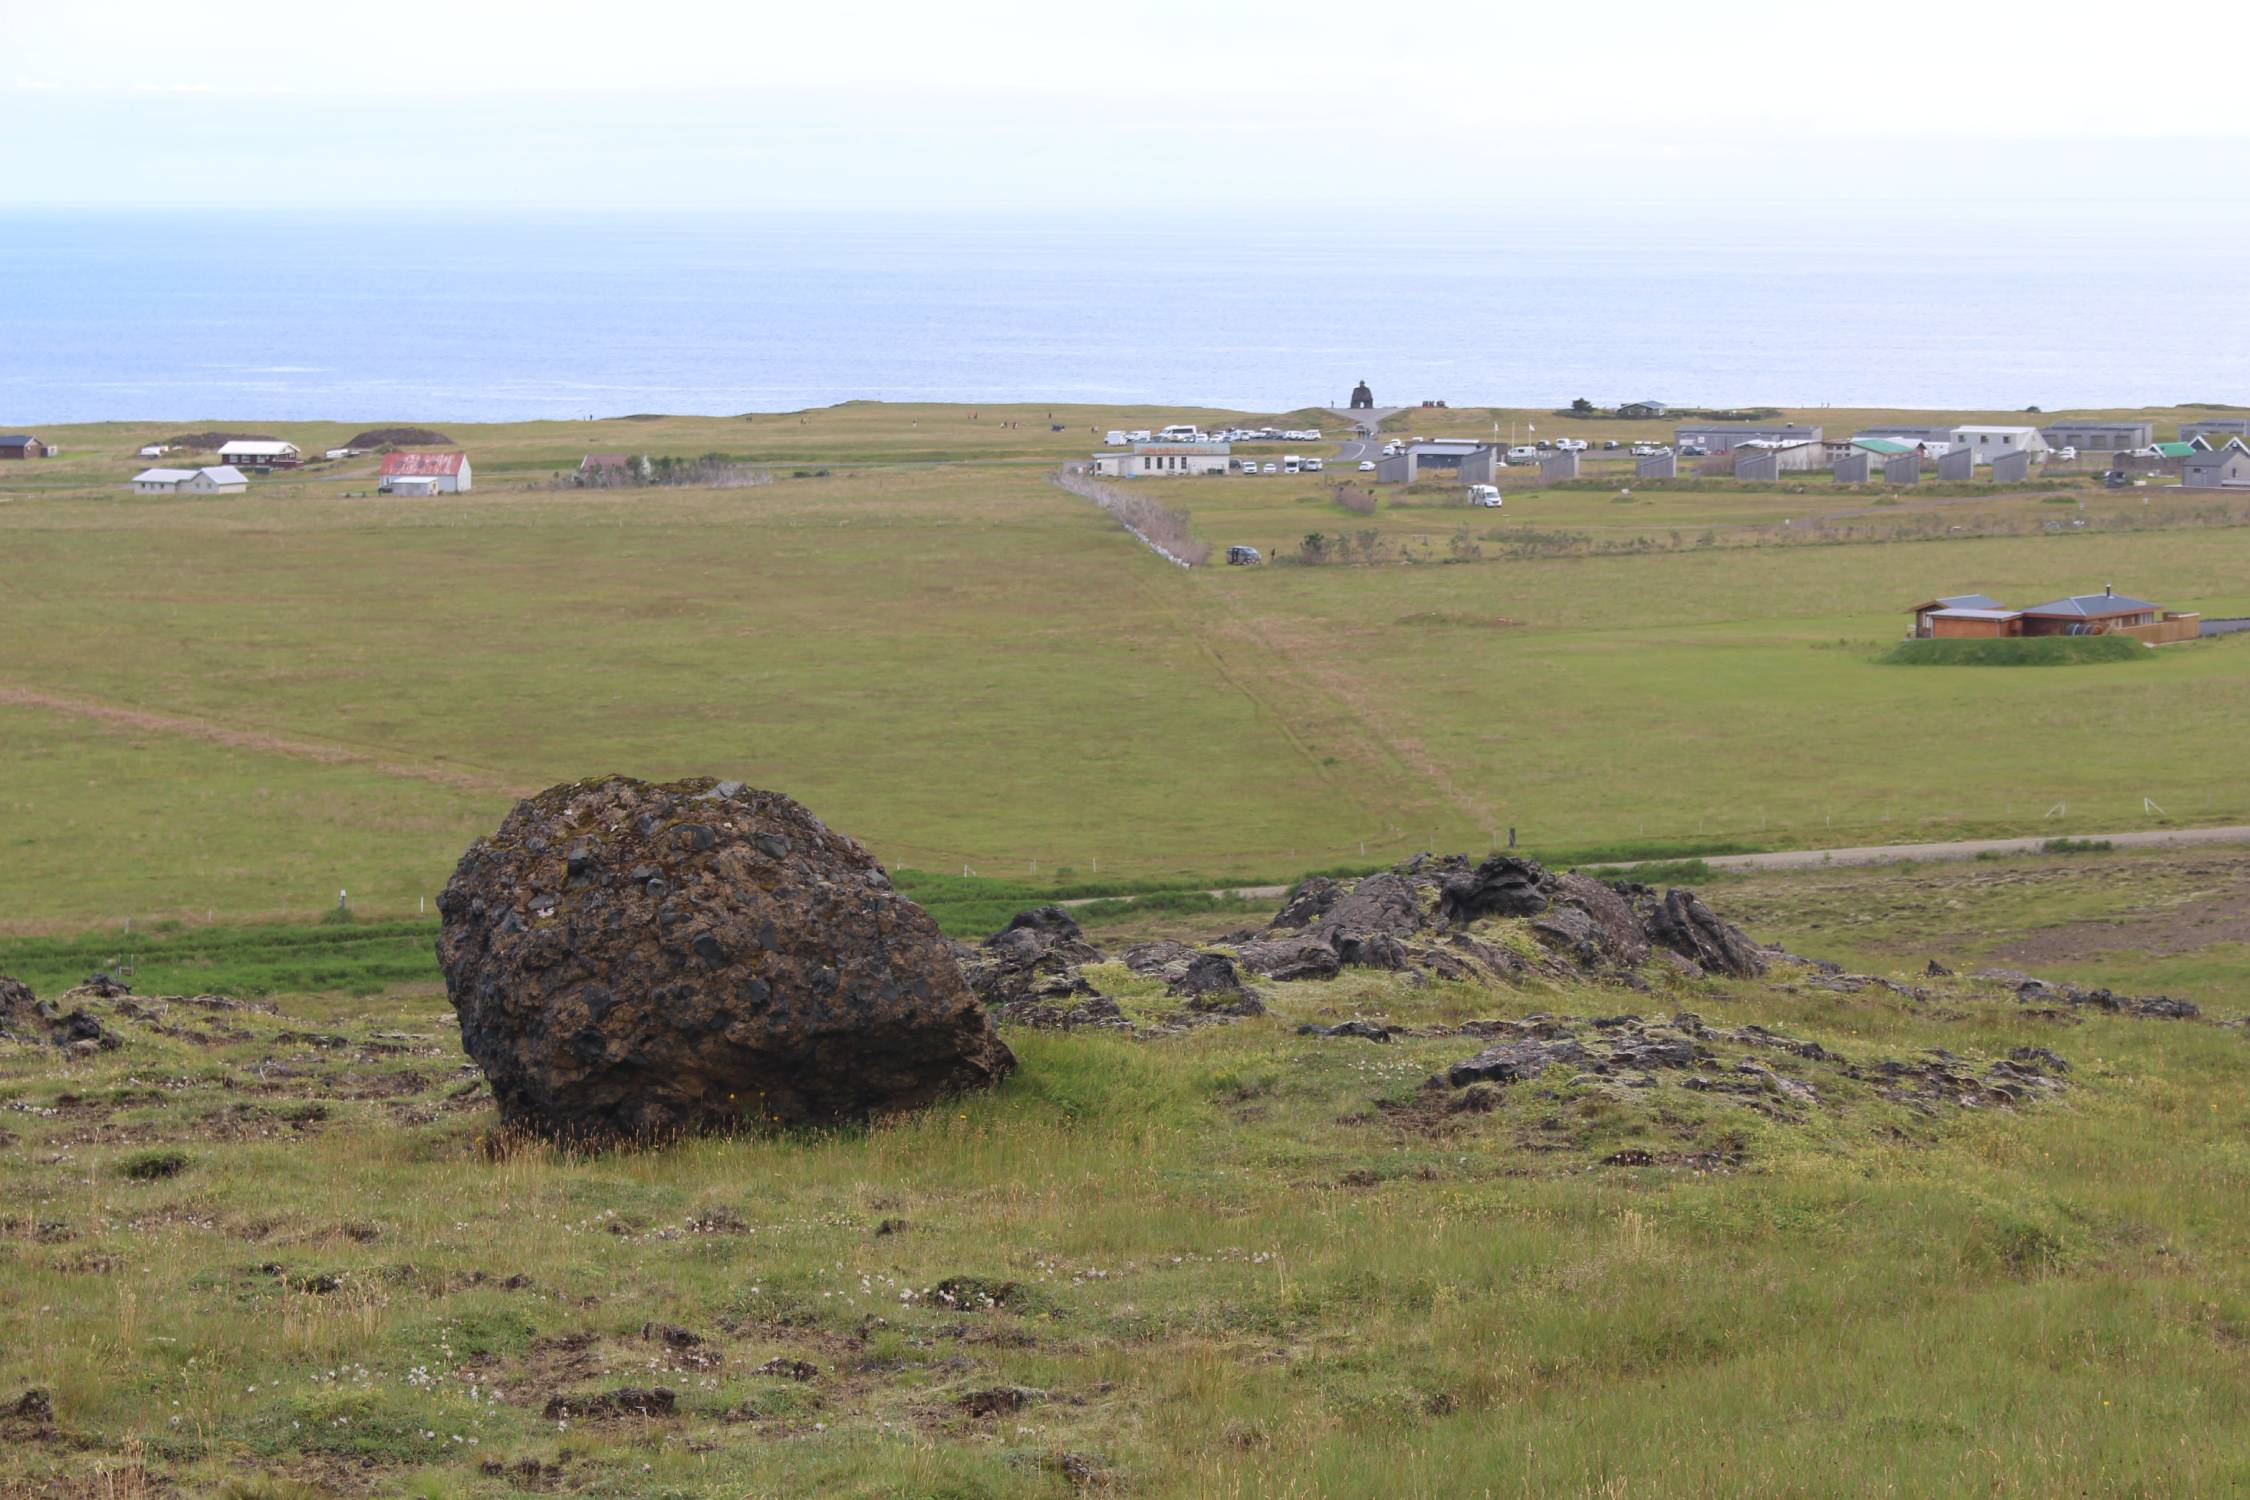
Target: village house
(423, 474)
(23, 445)
(261, 453)
(1726, 439)
(1164, 460)
(1641, 411)
(220, 479)
(1974, 616)
(2223, 468)
(1984, 444)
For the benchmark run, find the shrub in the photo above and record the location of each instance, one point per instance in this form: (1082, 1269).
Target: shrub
(2032, 651)
(153, 1166)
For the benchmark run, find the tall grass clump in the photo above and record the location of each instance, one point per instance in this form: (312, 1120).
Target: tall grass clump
(2031, 651)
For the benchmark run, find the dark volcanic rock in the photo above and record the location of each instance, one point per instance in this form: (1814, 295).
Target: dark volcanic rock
(26, 1018)
(1288, 958)
(1035, 957)
(1503, 886)
(1307, 902)
(1512, 1062)
(1381, 904)
(1212, 984)
(632, 960)
(1683, 924)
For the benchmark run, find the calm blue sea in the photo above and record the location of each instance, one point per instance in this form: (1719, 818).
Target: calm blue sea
(189, 315)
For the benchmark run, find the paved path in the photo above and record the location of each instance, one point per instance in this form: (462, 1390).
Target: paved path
(1869, 854)
(1368, 444)
(1889, 854)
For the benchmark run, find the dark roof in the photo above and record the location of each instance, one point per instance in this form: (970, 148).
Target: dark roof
(1959, 601)
(2093, 606)
(17, 440)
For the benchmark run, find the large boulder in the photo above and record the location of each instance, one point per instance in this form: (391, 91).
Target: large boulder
(635, 961)
(1503, 886)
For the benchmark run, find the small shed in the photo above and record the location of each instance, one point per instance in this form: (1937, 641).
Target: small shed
(1559, 466)
(1662, 464)
(1903, 468)
(1855, 467)
(23, 445)
(1957, 463)
(1643, 410)
(1757, 464)
(2011, 468)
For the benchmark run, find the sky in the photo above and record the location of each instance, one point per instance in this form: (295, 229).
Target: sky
(1166, 104)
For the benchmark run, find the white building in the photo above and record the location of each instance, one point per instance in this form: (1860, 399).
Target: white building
(424, 474)
(1164, 460)
(261, 454)
(223, 479)
(1988, 443)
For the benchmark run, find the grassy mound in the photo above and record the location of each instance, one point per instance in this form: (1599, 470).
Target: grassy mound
(2037, 651)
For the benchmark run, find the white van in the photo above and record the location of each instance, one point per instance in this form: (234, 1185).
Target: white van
(1290, 463)
(1312, 465)
(1137, 435)
(1523, 453)
(1485, 495)
(1115, 439)
(1181, 432)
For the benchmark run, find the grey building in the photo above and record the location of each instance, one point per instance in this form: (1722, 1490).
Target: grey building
(1957, 463)
(1854, 468)
(2107, 437)
(1453, 458)
(2011, 468)
(2226, 468)
(1907, 433)
(1557, 467)
(1727, 439)
(1642, 410)
(2219, 429)
(1662, 464)
(1903, 468)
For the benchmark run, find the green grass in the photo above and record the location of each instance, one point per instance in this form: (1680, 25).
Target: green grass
(2029, 651)
(965, 667)
(1237, 1271)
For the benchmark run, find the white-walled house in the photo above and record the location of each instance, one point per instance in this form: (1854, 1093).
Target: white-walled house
(424, 474)
(1164, 460)
(220, 479)
(260, 453)
(1988, 443)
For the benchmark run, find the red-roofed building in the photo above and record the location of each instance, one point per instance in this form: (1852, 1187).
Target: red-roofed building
(424, 473)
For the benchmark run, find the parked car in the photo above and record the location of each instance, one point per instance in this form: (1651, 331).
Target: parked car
(1271, 467)
(1315, 465)
(1694, 450)
(1523, 453)
(1609, 444)
(1243, 557)
(1367, 466)
(2066, 455)
(1646, 450)
(2117, 479)
(1570, 445)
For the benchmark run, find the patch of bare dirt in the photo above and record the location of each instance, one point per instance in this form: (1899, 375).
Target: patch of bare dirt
(2220, 917)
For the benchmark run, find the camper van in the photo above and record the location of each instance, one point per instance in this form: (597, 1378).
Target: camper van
(1291, 463)
(1181, 432)
(1116, 438)
(1485, 494)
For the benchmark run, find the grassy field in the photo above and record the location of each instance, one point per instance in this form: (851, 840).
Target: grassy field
(1232, 1261)
(235, 708)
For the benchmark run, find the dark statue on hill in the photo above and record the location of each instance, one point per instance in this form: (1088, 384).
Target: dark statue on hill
(1363, 399)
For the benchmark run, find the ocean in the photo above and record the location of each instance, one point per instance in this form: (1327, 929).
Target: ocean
(371, 317)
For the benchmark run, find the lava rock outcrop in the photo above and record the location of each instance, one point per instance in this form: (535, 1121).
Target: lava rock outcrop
(635, 961)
